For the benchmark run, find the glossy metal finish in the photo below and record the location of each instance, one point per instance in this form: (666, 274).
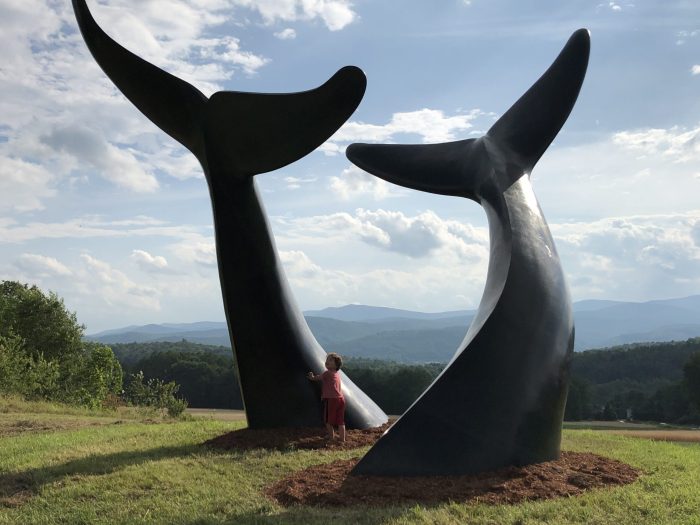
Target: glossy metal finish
(500, 401)
(234, 136)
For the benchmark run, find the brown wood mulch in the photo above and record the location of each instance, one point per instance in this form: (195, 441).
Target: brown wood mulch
(332, 485)
(294, 438)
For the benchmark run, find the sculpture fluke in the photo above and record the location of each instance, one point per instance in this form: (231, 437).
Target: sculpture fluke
(256, 132)
(525, 131)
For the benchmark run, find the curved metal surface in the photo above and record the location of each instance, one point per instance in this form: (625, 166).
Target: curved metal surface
(500, 401)
(234, 136)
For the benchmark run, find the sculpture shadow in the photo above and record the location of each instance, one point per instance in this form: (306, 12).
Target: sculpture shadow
(16, 488)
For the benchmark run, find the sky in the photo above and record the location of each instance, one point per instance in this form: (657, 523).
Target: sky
(100, 206)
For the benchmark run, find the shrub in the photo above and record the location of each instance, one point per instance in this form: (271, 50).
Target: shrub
(154, 393)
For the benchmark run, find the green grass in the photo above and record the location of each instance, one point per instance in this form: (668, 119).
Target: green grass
(133, 471)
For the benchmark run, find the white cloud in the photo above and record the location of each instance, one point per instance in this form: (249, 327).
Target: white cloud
(24, 185)
(148, 262)
(197, 249)
(38, 266)
(117, 165)
(427, 287)
(632, 257)
(695, 70)
(417, 236)
(90, 227)
(632, 172)
(354, 182)
(430, 124)
(336, 14)
(286, 34)
(678, 144)
(294, 183)
(114, 287)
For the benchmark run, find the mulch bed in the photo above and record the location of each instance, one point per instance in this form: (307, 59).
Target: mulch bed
(332, 485)
(294, 438)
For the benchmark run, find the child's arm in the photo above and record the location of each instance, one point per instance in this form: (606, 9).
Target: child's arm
(313, 377)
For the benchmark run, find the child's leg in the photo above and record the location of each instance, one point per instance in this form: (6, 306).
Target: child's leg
(331, 432)
(341, 431)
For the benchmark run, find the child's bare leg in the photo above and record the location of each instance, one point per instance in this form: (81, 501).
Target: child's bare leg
(341, 431)
(331, 432)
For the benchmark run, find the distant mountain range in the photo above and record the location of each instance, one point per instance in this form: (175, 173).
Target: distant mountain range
(408, 336)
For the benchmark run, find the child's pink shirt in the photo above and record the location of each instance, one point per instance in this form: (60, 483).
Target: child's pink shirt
(330, 385)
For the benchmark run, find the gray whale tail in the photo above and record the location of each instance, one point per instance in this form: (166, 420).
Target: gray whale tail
(235, 136)
(259, 132)
(500, 401)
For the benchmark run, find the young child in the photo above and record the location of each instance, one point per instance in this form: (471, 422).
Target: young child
(332, 396)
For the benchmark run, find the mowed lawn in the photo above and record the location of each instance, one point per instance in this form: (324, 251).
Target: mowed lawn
(131, 468)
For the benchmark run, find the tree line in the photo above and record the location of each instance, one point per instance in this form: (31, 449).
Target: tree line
(43, 355)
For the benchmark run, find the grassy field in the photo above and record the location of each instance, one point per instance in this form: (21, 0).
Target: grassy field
(129, 467)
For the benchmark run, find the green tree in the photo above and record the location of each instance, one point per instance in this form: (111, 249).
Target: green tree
(90, 376)
(691, 377)
(42, 321)
(42, 354)
(21, 373)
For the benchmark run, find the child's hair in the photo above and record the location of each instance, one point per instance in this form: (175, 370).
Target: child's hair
(338, 360)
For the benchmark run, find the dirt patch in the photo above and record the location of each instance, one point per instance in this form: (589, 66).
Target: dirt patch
(332, 485)
(293, 438)
(686, 436)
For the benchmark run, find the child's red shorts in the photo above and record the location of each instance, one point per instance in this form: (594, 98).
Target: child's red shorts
(334, 410)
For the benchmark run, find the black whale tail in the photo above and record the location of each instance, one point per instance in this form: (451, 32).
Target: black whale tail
(251, 132)
(517, 140)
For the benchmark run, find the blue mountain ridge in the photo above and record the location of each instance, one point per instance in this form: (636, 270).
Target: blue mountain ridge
(411, 336)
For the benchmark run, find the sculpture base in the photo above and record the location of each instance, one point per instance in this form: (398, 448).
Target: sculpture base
(332, 484)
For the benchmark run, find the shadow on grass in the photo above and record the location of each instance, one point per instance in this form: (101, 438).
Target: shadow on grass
(17, 488)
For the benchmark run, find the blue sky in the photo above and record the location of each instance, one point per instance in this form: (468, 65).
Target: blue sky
(103, 208)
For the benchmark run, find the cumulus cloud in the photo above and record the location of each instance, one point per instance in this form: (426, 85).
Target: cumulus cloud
(678, 144)
(24, 185)
(430, 124)
(335, 14)
(633, 257)
(417, 236)
(150, 263)
(354, 182)
(38, 266)
(197, 249)
(114, 287)
(695, 70)
(433, 286)
(79, 124)
(114, 164)
(286, 34)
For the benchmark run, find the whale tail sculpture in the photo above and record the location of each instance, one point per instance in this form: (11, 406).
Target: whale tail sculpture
(500, 401)
(235, 136)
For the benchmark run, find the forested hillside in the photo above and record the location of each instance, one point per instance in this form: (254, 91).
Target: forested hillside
(648, 379)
